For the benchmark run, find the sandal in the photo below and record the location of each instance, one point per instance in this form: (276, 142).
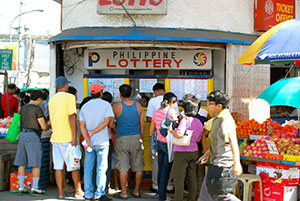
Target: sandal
(61, 198)
(118, 196)
(136, 196)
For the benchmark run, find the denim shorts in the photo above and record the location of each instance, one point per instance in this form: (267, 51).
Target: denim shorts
(29, 152)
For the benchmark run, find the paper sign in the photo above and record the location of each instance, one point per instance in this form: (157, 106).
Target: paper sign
(272, 147)
(146, 85)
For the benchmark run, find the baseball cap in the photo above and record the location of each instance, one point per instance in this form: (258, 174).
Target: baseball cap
(96, 88)
(61, 81)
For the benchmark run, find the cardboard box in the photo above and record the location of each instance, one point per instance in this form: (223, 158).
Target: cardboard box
(14, 182)
(273, 192)
(279, 182)
(285, 175)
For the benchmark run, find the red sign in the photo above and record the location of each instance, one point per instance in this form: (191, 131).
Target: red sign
(268, 13)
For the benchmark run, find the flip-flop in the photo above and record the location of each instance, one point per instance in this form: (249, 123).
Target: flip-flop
(79, 196)
(61, 198)
(118, 196)
(136, 196)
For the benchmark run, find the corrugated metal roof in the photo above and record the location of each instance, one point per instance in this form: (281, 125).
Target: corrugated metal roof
(152, 34)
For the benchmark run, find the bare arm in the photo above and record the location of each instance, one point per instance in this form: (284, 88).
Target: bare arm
(237, 167)
(84, 132)
(142, 121)
(203, 140)
(72, 119)
(100, 127)
(43, 123)
(152, 128)
(175, 133)
(112, 123)
(203, 159)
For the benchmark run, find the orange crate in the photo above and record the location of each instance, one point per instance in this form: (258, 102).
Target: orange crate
(272, 156)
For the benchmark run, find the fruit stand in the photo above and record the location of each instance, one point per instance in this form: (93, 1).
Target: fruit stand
(274, 150)
(4, 125)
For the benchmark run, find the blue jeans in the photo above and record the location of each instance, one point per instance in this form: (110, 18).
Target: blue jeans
(164, 168)
(101, 153)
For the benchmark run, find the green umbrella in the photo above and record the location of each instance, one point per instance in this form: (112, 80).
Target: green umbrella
(283, 92)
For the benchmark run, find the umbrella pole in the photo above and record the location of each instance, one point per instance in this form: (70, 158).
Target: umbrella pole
(298, 114)
(241, 81)
(289, 72)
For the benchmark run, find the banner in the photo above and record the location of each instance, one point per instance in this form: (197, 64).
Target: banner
(148, 59)
(6, 57)
(15, 50)
(132, 6)
(268, 13)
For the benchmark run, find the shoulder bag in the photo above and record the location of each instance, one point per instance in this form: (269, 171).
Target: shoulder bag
(220, 180)
(163, 128)
(186, 139)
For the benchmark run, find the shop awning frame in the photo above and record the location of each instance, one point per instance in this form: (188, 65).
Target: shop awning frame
(152, 34)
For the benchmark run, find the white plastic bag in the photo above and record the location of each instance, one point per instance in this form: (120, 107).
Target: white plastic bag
(73, 156)
(170, 147)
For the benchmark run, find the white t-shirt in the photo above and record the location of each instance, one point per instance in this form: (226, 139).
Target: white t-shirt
(93, 114)
(154, 104)
(202, 112)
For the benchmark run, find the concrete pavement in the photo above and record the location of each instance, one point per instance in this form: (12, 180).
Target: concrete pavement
(51, 195)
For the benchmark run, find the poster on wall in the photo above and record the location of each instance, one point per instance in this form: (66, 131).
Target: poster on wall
(152, 59)
(111, 85)
(146, 85)
(197, 87)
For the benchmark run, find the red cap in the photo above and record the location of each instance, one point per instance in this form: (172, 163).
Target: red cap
(96, 88)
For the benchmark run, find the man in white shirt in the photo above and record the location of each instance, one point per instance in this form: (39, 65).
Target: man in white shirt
(153, 105)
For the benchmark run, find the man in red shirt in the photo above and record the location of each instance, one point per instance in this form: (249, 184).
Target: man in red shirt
(13, 101)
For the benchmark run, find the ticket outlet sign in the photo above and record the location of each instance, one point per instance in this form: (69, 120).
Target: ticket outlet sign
(148, 59)
(268, 13)
(132, 6)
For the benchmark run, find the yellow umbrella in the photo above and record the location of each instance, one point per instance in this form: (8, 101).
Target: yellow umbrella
(249, 55)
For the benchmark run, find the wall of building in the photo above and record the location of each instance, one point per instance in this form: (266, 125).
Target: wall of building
(225, 15)
(243, 85)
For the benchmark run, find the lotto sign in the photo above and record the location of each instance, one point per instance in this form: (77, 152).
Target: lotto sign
(148, 59)
(6, 58)
(132, 6)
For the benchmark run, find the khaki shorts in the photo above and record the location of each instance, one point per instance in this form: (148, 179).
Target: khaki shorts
(129, 153)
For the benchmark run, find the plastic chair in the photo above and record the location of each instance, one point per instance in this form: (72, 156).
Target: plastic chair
(247, 180)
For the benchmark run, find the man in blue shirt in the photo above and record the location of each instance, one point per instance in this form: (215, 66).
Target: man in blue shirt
(94, 118)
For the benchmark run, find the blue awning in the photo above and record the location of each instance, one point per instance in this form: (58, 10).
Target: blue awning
(152, 34)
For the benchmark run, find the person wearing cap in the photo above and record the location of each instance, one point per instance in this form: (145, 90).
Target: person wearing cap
(94, 118)
(62, 111)
(130, 127)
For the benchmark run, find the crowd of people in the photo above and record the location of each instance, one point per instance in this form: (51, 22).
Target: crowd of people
(115, 134)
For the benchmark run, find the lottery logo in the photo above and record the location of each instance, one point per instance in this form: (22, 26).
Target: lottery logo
(269, 7)
(200, 59)
(94, 57)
